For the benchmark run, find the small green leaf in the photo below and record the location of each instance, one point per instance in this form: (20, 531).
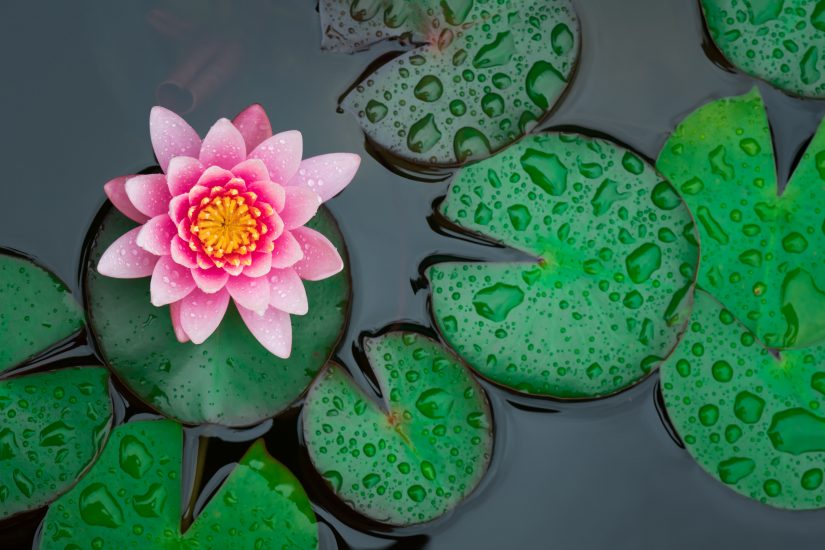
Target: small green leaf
(606, 298)
(417, 454)
(761, 251)
(230, 379)
(779, 41)
(36, 310)
(754, 421)
(52, 426)
(131, 498)
(482, 75)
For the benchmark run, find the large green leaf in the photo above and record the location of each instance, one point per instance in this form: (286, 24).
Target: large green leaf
(761, 251)
(606, 297)
(754, 421)
(483, 74)
(417, 453)
(780, 41)
(230, 379)
(131, 498)
(51, 428)
(36, 310)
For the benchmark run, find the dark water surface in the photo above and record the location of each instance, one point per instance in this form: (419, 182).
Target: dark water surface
(78, 80)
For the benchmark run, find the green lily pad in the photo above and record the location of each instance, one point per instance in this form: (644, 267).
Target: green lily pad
(761, 250)
(36, 310)
(132, 499)
(608, 294)
(52, 426)
(230, 379)
(779, 41)
(754, 421)
(416, 454)
(483, 74)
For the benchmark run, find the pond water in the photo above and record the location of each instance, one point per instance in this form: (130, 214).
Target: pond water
(78, 84)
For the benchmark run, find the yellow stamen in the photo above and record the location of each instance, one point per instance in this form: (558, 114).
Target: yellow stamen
(226, 225)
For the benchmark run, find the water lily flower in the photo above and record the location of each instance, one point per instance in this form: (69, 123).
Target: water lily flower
(226, 220)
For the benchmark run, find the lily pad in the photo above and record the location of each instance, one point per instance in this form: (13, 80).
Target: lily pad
(482, 75)
(416, 454)
(752, 420)
(230, 379)
(761, 249)
(52, 426)
(609, 291)
(132, 499)
(36, 310)
(779, 41)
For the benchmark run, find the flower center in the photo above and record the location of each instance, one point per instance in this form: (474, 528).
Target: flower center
(226, 225)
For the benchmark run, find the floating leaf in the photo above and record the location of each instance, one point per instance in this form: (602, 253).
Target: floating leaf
(415, 455)
(230, 379)
(754, 421)
(761, 250)
(780, 41)
(131, 498)
(36, 310)
(52, 426)
(483, 75)
(607, 296)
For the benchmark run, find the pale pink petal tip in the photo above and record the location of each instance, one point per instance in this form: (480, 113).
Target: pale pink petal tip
(182, 174)
(201, 313)
(171, 136)
(300, 206)
(254, 125)
(124, 259)
(251, 293)
(174, 314)
(210, 280)
(116, 191)
(170, 282)
(327, 175)
(155, 236)
(281, 154)
(321, 258)
(149, 193)
(287, 292)
(223, 146)
(273, 329)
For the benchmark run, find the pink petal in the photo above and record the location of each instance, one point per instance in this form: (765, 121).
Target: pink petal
(254, 125)
(149, 194)
(251, 170)
(321, 259)
(282, 155)
(124, 259)
(156, 235)
(171, 136)
(210, 280)
(261, 264)
(223, 146)
(327, 175)
(233, 270)
(269, 192)
(116, 191)
(250, 293)
(170, 282)
(212, 177)
(182, 254)
(287, 251)
(178, 208)
(200, 314)
(287, 292)
(273, 329)
(300, 206)
(174, 313)
(183, 174)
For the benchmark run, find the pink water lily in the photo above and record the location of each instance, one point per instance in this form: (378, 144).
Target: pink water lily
(226, 220)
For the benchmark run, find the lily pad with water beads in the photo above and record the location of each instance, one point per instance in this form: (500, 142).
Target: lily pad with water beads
(132, 499)
(609, 291)
(762, 250)
(780, 41)
(52, 424)
(418, 452)
(482, 75)
(230, 379)
(752, 420)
